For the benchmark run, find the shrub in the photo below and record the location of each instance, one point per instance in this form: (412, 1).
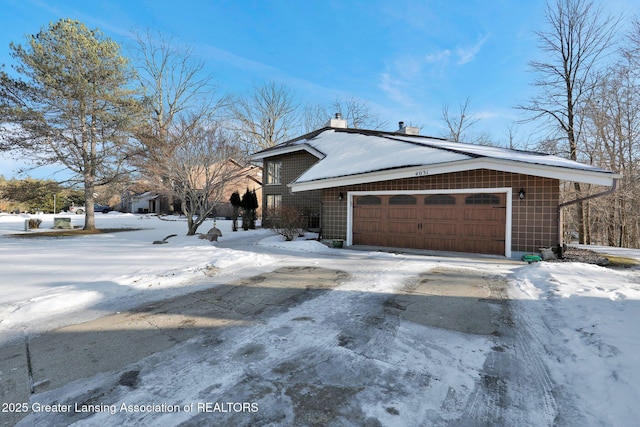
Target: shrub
(249, 204)
(236, 202)
(288, 222)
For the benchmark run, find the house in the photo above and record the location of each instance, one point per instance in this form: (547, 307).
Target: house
(237, 176)
(139, 201)
(244, 177)
(400, 189)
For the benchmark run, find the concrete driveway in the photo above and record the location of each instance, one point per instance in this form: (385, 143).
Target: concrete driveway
(462, 300)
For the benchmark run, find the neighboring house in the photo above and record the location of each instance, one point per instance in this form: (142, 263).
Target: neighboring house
(400, 189)
(138, 200)
(248, 177)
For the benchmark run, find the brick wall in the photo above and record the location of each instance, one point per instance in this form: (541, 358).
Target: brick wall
(534, 219)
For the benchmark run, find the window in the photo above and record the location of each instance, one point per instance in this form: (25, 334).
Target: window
(274, 167)
(482, 199)
(369, 200)
(402, 200)
(440, 199)
(274, 201)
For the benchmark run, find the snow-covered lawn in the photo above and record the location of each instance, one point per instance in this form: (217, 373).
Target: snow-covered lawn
(574, 339)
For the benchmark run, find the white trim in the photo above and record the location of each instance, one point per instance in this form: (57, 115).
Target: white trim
(555, 172)
(509, 206)
(287, 150)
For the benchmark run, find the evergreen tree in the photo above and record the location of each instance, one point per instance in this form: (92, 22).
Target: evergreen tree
(236, 202)
(70, 102)
(249, 206)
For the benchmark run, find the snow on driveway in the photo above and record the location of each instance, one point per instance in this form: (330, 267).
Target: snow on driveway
(564, 352)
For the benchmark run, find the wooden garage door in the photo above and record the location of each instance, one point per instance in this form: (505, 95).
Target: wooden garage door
(447, 222)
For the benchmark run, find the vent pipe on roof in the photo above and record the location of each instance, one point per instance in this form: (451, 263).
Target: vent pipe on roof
(338, 122)
(407, 130)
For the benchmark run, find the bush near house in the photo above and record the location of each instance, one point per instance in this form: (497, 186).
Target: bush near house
(288, 222)
(249, 204)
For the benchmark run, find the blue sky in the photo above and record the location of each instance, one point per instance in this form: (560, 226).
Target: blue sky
(405, 58)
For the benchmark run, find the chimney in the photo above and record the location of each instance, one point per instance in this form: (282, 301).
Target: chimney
(338, 122)
(407, 130)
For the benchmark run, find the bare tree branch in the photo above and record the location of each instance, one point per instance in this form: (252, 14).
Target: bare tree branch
(265, 118)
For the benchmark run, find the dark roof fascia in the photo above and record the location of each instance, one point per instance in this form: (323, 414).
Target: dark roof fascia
(290, 143)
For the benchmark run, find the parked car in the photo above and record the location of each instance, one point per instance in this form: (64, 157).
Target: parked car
(79, 210)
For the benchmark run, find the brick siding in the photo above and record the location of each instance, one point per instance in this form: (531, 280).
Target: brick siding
(534, 219)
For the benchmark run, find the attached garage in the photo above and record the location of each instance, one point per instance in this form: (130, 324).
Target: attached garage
(462, 221)
(402, 190)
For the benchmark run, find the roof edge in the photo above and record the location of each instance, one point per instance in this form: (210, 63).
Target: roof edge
(261, 155)
(553, 172)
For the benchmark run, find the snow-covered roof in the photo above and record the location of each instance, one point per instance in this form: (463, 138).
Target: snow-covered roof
(351, 156)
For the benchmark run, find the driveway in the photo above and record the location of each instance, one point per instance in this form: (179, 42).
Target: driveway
(301, 340)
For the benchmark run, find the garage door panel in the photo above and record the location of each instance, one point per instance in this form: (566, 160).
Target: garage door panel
(473, 222)
(482, 230)
(368, 227)
(368, 213)
(402, 213)
(484, 215)
(439, 229)
(438, 214)
(402, 227)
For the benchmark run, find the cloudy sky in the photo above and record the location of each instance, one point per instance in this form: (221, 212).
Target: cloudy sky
(404, 58)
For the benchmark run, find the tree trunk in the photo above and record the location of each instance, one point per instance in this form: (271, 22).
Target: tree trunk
(89, 214)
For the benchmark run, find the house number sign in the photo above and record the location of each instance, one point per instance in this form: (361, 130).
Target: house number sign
(423, 172)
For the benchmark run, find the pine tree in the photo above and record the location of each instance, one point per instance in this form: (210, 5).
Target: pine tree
(249, 206)
(71, 104)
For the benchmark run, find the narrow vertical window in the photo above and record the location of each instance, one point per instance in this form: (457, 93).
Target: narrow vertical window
(274, 201)
(273, 171)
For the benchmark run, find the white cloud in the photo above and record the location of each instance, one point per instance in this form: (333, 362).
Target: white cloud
(441, 56)
(466, 55)
(392, 87)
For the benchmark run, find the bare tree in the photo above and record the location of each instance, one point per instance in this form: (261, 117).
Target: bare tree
(579, 35)
(613, 128)
(266, 117)
(315, 116)
(460, 124)
(177, 89)
(358, 114)
(200, 168)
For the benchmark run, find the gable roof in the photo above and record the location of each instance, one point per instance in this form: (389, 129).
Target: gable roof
(355, 156)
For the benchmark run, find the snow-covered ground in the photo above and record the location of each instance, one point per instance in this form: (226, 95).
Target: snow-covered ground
(576, 326)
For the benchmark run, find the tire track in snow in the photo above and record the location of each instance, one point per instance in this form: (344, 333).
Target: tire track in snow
(515, 386)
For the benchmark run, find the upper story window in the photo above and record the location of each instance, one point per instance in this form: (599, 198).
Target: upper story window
(274, 169)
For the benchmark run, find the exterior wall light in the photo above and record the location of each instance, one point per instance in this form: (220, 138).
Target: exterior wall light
(341, 196)
(521, 194)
